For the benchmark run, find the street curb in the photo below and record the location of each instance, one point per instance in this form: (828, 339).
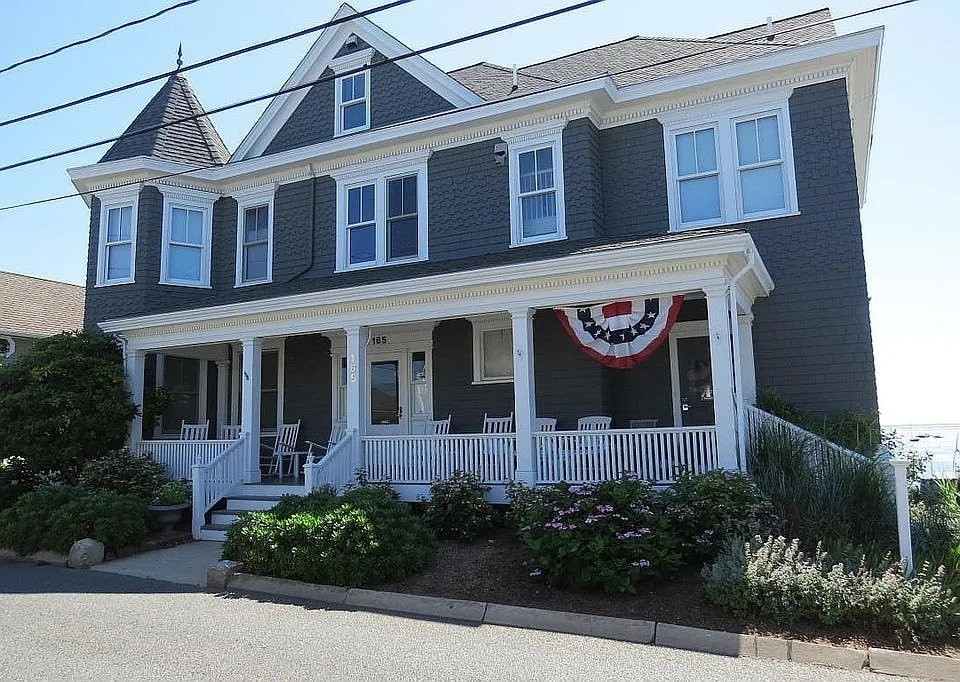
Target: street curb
(225, 577)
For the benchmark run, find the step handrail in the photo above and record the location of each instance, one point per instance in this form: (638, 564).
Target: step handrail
(335, 468)
(213, 480)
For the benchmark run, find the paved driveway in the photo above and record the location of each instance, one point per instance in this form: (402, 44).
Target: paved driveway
(62, 624)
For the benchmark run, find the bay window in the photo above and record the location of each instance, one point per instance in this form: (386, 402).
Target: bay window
(116, 255)
(187, 227)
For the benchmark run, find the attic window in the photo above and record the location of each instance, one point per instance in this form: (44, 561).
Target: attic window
(353, 103)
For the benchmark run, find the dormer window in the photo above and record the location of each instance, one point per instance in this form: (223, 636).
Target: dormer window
(353, 102)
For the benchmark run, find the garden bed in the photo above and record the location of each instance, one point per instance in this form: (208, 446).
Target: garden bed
(492, 570)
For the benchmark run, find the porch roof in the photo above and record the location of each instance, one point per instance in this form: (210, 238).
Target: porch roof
(598, 269)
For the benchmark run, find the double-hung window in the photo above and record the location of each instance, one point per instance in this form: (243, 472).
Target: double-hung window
(382, 217)
(536, 190)
(254, 237)
(730, 168)
(492, 349)
(353, 103)
(118, 239)
(187, 226)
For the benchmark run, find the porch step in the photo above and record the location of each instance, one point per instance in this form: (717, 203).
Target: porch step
(268, 490)
(240, 503)
(226, 516)
(214, 531)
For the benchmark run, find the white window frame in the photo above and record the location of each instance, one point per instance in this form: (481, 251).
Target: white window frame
(247, 200)
(724, 124)
(191, 200)
(350, 65)
(116, 200)
(379, 176)
(527, 143)
(480, 325)
(338, 128)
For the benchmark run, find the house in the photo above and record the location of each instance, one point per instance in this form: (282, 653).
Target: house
(32, 308)
(648, 231)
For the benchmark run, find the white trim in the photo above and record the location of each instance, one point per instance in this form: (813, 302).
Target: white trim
(110, 200)
(247, 200)
(681, 330)
(201, 202)
(351, 61)
(487, 323)
(723, 122)
(530, 143)
(379, 176)
(338, 128)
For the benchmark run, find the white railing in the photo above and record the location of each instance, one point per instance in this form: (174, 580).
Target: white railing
(425, 459)
(655, 455)
(216, 478)
(335, 468)
(759, 421)
(178, 457)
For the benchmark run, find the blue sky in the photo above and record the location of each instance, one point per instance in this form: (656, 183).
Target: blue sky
(911, 232)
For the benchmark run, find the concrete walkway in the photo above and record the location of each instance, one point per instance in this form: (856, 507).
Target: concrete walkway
(184, 564)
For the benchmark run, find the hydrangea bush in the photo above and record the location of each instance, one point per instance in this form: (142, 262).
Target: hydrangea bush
(456, 508)
(606, 536)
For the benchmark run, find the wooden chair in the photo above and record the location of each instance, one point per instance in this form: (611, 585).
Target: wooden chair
(594, 423)
(337, 432)
(545, 424)
(229, 432)
(497, 424)
(644, 423)
(194, 431)
(437, 427)
(284, 445)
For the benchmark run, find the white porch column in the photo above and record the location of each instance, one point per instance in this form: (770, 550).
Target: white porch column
(223, 394)
(250, 404)
(748, 371)
(356, 387)
(524, 393)
(721, 363)
(134, 363)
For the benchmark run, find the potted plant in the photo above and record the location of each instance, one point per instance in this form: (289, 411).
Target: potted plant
(168, 504)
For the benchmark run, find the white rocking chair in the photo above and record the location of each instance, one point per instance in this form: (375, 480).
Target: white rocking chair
(545, 424)
(337, 432)
(497, 424)
(229, 432)
(437, 427)
(284, 445)
(594, 423)
(194, 431)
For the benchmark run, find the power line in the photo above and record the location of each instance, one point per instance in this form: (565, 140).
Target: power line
(687, 56)
(205, 62)
(308, 84)
(84, 41)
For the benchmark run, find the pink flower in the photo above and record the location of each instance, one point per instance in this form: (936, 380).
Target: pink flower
(536, 573)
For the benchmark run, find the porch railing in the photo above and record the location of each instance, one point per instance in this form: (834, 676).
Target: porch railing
(652, 454)
(335, 468)
(215, 479)
(424, 459)
(178, 457)
(759, 421)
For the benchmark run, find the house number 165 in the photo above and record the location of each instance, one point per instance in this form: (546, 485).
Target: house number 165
(378, 340)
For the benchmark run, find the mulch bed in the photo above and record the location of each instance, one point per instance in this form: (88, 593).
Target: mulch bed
(156, 541)
(492, 570)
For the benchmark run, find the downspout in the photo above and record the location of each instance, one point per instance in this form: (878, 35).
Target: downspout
(737, 364)
(313, 226)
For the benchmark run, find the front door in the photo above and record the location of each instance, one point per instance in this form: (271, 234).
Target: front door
(387, 408)
(695, 380)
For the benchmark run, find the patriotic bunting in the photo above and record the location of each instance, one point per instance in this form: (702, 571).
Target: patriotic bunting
(621, 334)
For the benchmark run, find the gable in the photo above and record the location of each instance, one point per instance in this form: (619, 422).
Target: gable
(407, 89)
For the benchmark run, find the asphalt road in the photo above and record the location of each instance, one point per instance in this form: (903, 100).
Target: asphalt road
(62, 624)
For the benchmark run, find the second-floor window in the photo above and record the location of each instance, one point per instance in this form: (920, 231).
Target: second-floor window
(254, 237)
(353, 103)
(185, 253)
(117, 251)
(730, 169)
(536, 191)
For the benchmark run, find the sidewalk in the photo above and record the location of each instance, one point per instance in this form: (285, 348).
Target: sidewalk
(185, 564)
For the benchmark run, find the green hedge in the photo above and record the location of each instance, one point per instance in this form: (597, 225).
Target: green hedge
(52, 518)
(365, 537)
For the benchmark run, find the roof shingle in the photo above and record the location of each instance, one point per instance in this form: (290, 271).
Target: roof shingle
(34, 307)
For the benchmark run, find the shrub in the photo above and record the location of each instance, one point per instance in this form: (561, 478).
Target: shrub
(171, 493)
(15, 480)
(53, 517)
(123, 472)
(708, 509)
(606, 536)
(935, 527)
(773, 578)
(857, 431)
(822, 496)
(365, 537)
(64, 403)
(456, 508)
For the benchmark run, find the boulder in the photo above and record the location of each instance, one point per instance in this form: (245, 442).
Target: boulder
(85, 553)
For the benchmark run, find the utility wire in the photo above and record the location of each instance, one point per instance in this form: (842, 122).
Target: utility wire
(84, 41)
(210, 166)
(205, 62)
(302, 86)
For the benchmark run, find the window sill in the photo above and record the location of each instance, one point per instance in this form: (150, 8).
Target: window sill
(242, 285)
(113, 284)
(484, 382)
(342, 133)
(538, 240)
(372, 265)
(734, 223)
(191, 285)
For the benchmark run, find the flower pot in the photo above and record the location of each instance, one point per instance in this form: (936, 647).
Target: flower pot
(167, 515)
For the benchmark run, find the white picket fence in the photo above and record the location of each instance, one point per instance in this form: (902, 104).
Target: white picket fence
(424, 459)
(655, 455)
(178, 457)
(335, 468)
(213, 480)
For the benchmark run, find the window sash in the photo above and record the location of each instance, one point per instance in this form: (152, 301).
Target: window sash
(397, 237)
(255, 238)
(356, 99)
(117, 252)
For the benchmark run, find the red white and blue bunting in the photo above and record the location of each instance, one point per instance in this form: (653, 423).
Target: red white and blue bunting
(621, 334)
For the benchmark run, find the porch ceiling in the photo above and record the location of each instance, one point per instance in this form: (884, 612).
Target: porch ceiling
(667, 264)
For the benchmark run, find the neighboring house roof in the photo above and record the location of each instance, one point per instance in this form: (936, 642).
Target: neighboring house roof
(640, 59)
(34, 307)
(194, 142)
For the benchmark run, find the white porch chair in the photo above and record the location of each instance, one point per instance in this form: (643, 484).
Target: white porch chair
(438, 427)
(284, 445)
(337, 431)
(194, 431)
(497, 424)
(229, 432)
(545, 424)
(644, 423)
(594, 423)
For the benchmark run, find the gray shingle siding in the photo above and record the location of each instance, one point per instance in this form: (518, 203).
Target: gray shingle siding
(634, 180)
(395, 96)
(307, 386)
